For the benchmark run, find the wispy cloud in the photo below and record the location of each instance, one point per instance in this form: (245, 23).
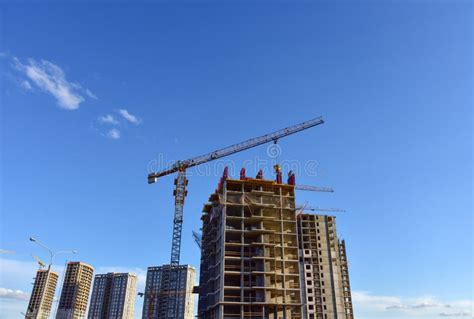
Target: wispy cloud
(50, 78)
(90, 94)
(26, 85)
(13, 294)
(113, 134)
(6, 251)
(108, 119)
(456, 314)
(14, 272)
(129, 117)
(369, 305)
(123, 117)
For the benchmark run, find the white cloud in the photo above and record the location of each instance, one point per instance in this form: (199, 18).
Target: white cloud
(368, 305)
(90, 94)
(108, 119)
(6, 251)
(378, 303)
(52, 79)
(129, 117)
(13, 294)
(26, 85)
(16, 273)
(113, 134)
(455, 314)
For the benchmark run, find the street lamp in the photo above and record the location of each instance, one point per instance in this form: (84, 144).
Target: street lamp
(51, 253)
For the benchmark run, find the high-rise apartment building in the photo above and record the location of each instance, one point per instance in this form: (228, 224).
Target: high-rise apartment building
(113, 296)
(249, 255)
(158, 293)
(42, 295)
(324, 269)
(75, 291)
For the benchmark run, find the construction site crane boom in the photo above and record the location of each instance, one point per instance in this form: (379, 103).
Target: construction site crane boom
(197, 238)
(39, 261)
(302, 208)
(239, 147)
(181, 182)
(314, 188)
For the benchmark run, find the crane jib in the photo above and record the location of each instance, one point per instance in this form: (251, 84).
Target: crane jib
(181, 165)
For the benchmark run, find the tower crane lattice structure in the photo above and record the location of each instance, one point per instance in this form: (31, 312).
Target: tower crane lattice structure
(314, 188)
(301, 208)
(180, 191)
(197, 238)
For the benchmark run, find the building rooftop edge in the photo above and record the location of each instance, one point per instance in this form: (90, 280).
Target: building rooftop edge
(80, 263)
(167, 265)
(117, 273)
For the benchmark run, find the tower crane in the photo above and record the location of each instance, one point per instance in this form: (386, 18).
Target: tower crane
(39, 261)
(181, 184)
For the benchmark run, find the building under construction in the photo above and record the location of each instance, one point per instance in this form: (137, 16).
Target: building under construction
(260, 258)
(77, 284)
(324, 269)
(41, 299)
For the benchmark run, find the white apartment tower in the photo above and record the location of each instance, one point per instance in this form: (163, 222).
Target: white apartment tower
(158, 292)
(113, 296)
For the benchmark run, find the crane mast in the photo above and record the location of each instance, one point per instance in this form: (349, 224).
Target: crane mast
(180, 193)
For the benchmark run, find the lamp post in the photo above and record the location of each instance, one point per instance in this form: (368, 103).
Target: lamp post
(51, 253)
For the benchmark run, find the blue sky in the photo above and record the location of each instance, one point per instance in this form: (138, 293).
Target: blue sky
(92, 93)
